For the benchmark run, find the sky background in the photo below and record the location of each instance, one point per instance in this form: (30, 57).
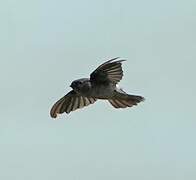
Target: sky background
(46, 44)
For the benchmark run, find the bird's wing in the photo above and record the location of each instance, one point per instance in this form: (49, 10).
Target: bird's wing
(70, 102)
(110, 71)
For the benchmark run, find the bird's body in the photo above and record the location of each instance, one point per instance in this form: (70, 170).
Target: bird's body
(102, 84)
(88, 89)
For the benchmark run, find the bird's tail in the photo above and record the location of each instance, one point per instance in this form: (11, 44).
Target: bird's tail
(123, 100)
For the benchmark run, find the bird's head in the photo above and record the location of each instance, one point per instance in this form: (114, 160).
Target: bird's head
(78, 84)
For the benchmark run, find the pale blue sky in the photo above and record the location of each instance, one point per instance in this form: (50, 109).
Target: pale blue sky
(46, 44)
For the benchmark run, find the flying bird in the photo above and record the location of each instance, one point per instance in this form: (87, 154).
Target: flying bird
(102, 84)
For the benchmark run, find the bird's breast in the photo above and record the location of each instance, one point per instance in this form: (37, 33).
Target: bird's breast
(102, 91)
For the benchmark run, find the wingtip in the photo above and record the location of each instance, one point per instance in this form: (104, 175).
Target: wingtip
(115, 60)
(53, 115)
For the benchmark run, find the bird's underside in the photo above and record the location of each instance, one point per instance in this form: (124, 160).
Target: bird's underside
(101, 85)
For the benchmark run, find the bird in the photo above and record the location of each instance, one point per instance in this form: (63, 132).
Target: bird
(102, 85)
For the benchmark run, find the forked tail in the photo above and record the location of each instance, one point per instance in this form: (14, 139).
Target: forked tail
(123, 100)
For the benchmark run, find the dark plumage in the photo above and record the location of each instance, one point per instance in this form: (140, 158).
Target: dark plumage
(101, 85)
